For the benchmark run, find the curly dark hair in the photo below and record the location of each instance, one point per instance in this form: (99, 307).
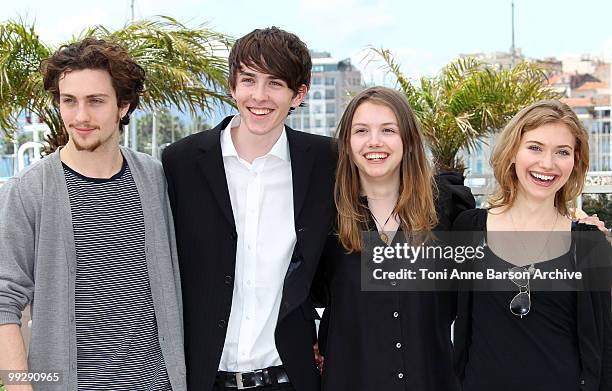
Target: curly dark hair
(127, 76)
(273, 51)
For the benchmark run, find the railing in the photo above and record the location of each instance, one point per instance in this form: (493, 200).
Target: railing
(597, 182)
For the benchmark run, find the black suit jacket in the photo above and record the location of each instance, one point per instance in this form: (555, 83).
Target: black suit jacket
(206, 242)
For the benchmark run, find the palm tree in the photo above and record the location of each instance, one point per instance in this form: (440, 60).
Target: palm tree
(466, 101)
(185, 68)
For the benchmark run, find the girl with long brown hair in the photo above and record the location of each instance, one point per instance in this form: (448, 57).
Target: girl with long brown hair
(388, 340)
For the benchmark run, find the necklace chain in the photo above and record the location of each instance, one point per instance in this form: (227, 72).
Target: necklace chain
(531, 266)
(381, 229)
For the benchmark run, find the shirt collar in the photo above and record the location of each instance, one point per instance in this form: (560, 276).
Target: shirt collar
(280, 149)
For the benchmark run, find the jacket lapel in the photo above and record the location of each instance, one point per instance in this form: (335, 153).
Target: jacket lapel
(210, 163)
(301, 166)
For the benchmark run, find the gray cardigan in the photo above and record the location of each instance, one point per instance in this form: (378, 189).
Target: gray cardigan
(38, 265)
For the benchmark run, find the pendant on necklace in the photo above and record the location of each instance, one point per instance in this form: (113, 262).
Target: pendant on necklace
(384, 237)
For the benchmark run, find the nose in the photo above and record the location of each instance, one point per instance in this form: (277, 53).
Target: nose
(82, 114)
(546, 162)
(374, 138)
(259, 92)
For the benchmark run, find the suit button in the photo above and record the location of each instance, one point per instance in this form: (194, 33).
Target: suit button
(234, 236)
(228, 280)
(222, 323)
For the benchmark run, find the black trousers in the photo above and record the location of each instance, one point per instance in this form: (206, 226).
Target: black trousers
(277, 387)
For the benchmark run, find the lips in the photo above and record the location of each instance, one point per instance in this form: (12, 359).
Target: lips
(376, 156)
(84, 129)
(259, 112)
(541, 179)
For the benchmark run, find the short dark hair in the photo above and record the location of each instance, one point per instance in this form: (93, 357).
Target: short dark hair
(127, 76)
(273, 51)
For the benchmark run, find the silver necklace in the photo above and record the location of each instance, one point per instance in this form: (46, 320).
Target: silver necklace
(531, 268)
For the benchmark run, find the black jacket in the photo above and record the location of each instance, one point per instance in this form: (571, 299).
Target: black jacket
(206, 242)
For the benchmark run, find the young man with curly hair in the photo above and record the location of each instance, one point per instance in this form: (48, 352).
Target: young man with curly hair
(252, 201)
(87, 240)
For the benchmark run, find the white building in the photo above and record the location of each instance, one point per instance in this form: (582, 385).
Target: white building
(332, 84)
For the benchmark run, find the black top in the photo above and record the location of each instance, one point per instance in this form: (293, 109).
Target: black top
(564, 343)
(536, 352)
(386, 340)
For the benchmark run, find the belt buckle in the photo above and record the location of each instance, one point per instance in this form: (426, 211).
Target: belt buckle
(239, 383)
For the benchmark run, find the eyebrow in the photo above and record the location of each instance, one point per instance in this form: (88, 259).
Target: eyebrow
(385, 124)
(250, 74)
(87, 96)
(558, 146)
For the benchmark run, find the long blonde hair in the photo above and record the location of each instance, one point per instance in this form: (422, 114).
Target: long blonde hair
(415, 206)
(531, 117)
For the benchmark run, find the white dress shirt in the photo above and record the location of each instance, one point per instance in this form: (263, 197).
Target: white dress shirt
(261, 194)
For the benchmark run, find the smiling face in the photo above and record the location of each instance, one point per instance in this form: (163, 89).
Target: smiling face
(376, 143)
(88, 107)
(264, 101)
(544, 160)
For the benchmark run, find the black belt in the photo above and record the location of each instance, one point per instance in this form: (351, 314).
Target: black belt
(258, 378)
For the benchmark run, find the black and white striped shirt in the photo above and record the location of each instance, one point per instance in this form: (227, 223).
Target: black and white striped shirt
(116, 329)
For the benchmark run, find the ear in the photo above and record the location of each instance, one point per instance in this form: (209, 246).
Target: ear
(123, 109)
(299, 96)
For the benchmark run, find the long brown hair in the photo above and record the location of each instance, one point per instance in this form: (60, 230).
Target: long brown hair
(415, 206)
(531, 117)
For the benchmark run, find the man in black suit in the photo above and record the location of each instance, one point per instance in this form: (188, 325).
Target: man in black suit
(252, 203)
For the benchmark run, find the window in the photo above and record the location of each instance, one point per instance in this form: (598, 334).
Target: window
(306, 123)
(330, 108)
(317, 109)
(316, 95)
(330, 81)
(316, 80)
(317, 123)
(330, 94)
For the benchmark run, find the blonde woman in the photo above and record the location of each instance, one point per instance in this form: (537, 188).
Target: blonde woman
(521, 338)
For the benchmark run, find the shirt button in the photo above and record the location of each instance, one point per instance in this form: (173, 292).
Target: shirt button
(398, 345)
(395, 314)
(228, 280)
(400, 375)
(222, 323)
(249, 282)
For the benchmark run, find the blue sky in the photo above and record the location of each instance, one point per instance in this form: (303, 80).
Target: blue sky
(423, 34)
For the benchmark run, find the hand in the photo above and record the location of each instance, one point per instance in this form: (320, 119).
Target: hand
(319, 359)
(594, 220)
